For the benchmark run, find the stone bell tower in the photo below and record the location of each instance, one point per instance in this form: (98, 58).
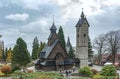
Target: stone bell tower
(82, 30)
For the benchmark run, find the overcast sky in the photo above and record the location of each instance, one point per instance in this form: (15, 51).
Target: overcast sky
(31, 18)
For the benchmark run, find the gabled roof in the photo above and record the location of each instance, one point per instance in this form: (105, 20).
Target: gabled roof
(50, 36)
(47, 49)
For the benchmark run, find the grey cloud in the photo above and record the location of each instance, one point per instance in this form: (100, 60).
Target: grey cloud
(17, 17)
(77, 1)
(107, 21)
(93, 8)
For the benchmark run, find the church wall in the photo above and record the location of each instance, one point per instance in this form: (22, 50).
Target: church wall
(67, 67)
(47, 68)
(57, 49)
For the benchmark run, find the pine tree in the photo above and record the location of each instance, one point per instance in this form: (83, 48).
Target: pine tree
(20, 53)
(61, 36)
(5, 54)
(1, 55)
(90, 52)
(71, 52)
(42, 45)
(35, 48)
(9, 55)
(1, 50)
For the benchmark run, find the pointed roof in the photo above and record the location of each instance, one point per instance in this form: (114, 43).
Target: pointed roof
(53, 27)
(47, 49)
(53, 30)
(68, 43)
(82, 20)
(82, 15)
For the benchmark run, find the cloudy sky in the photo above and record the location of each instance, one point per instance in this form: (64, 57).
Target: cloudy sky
(31, 18)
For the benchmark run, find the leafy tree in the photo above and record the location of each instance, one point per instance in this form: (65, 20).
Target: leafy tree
(9, 55)
(61, 36)
(35, 48)
(71, 52)
(20, 53)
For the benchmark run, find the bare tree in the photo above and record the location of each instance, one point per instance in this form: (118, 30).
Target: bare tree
(113, 43)
(99, 46)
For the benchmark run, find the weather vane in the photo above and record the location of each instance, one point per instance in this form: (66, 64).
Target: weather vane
(82, 9)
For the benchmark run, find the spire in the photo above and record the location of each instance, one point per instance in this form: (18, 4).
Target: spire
(82, 14)
(68, 42)
(53, 28)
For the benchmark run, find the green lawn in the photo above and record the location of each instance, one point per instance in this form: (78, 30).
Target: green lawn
(44, 75)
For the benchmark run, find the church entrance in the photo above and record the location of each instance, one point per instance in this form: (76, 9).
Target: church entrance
(59, 62)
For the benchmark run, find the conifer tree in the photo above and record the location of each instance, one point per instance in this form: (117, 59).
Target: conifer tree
(90, 52)
(35, 48)
(71, 52)
(20, 53)
(1, 55)
(1, 50)
(9, 55)
(61, 36)
(5, 54)
(42, 45)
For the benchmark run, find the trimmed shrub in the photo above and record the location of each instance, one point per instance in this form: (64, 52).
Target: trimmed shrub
(6, 69)
(1, 74)
(97, 76)
(108, 70)
(94, 71)
(86, 71)
(106, 77)
(44, 76)
(18, 75)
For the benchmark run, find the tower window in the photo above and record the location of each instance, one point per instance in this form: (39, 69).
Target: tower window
(84, 35)
(78, 35)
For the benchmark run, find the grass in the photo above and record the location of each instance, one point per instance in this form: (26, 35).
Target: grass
(45, 75)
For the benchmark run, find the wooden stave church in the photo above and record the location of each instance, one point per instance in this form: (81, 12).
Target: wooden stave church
(54, 56)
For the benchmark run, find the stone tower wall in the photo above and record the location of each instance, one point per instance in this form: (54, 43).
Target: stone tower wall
(82, 43)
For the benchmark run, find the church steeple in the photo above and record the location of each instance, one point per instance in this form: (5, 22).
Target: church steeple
(53, 35)
(68, 42)
(53, 28)
(82, 14)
